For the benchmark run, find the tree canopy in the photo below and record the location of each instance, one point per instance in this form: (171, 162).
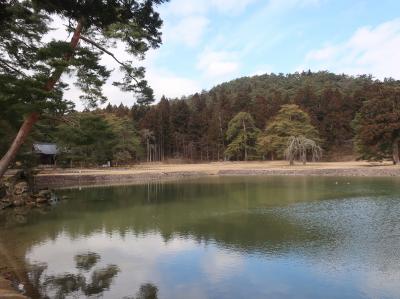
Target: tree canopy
(195, 127)
(377, 126)
(290, 121)
(241, 135)
(31, 68)
(96, 139)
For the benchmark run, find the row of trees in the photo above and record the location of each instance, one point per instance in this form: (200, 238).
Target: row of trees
(289, 135)
(346, 110)
(214, 126)
(254, 118)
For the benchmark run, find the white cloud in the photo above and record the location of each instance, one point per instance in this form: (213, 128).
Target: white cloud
(231, 6)
(218, 265)
(170, 85)
(218, 64)
(370, 50)
(282, 5)
(193, 7)
(165, 81)
(184, 7)
(188, 30)
(143, 253)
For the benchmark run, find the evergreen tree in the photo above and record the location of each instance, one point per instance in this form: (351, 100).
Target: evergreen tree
(127, 146)
(198, 125)
(241, 135)
(30, 70)
(377, 127)
(180, 115)
(89, 140)
(163, 130)
(290, 121)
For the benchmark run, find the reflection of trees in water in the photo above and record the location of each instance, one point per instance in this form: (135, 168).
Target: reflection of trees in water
(101, 280)
(146, 291)
(77, 284)
(86, 261)
(68, 284)
(264, 216)
(63, 285)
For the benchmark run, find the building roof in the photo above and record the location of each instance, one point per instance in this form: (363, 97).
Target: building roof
(45, 148)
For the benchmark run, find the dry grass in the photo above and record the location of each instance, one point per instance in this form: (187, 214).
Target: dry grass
(216, 167)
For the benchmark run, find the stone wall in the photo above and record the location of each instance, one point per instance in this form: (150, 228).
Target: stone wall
(76, 180)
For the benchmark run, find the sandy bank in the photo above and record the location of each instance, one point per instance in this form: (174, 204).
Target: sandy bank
(147, 172)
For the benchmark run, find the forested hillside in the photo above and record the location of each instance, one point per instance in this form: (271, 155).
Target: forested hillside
(207, 126)
(195, 127)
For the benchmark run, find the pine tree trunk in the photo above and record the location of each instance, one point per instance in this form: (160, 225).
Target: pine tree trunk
(23, 132)
(396, 159)
(33, 117)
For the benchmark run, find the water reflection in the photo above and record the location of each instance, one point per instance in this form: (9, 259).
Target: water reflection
(146, 291)
(86, 261)
(77, 285)
(73, 284)
(219, 238)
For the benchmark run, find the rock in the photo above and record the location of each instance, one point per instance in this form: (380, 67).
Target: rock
(44, 193)
(25, 197)
(21, 187)
(30, 204)
(18, 202)
(41, 200)
(5, 204)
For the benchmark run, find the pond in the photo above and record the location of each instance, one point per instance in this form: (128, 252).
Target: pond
(214, 237)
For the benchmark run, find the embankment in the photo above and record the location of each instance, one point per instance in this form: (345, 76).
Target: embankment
(145, 173)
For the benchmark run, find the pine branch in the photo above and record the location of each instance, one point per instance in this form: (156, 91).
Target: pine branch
(101, 48)
(6, 65)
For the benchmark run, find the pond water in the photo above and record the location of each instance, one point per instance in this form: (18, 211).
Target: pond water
(216, 237)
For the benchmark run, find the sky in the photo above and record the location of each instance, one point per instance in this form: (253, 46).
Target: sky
(207, 42)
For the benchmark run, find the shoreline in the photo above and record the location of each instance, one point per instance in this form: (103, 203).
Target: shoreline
(153, 172)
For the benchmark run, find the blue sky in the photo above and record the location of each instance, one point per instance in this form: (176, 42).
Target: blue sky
(206, 42)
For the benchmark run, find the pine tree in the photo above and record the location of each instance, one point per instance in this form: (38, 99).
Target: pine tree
(290, 121)
(241, 135)
(180, 114)
(30, 71)
(377, 127)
